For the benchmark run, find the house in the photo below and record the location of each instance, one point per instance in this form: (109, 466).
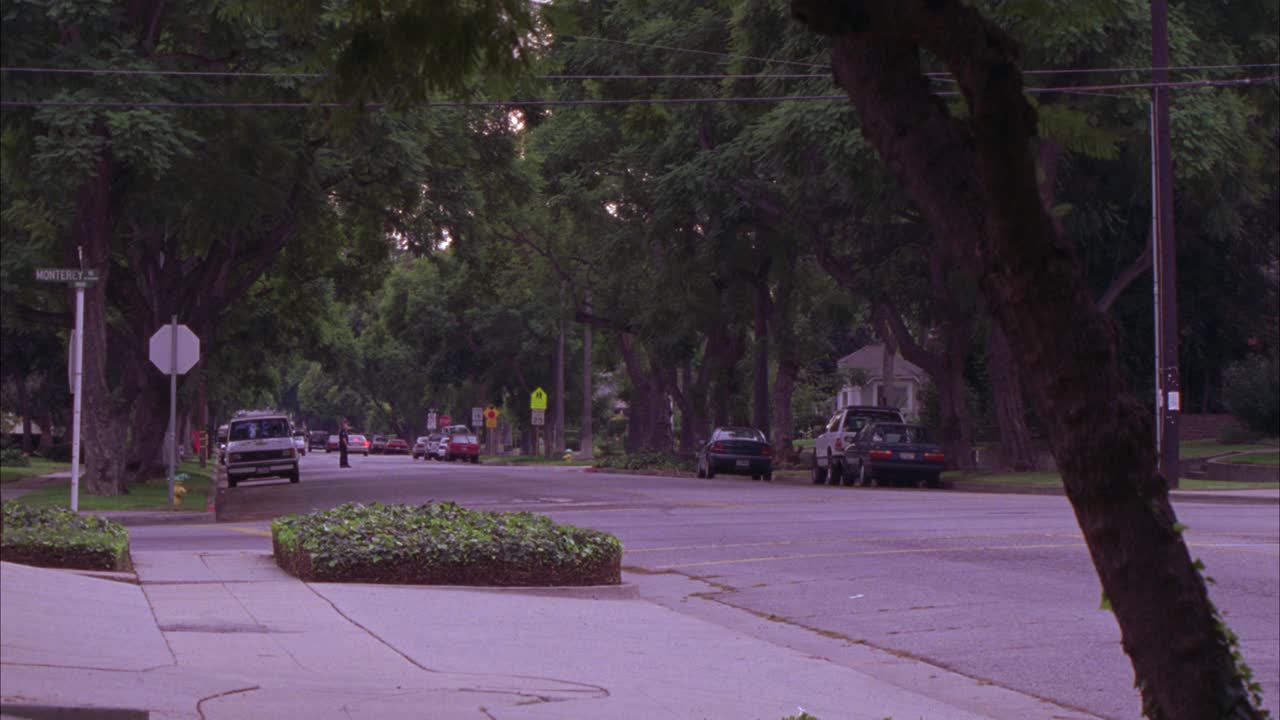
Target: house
(868, 364)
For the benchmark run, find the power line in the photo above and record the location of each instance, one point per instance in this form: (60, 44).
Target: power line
(1081, 89)
(602, 76)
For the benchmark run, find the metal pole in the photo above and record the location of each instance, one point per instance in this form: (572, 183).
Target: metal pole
(78, 354)
(173, 402)
(1155, 279)
(1166, 258)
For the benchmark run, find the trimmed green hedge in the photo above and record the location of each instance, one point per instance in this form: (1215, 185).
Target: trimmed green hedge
(57, 537)
(644, 461)
(442, 544)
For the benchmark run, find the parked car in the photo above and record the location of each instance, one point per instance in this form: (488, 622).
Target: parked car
(420, 448)
(331, 445)
(378, 444)
(259, 444)
(317, 441)
(396, 446)
(459, 446)
(828, 448)
(433, 446)
(300, 442)
(893, 451)
(358, 444)
(736, 450)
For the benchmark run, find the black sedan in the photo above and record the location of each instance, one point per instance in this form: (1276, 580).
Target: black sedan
(739, 450)
(893, 451)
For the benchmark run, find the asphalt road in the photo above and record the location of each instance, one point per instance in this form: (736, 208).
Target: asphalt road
(997, 587)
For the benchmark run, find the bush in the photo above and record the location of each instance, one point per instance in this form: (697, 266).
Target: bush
(13, 457)
(1251, 392)
(442, 543)
(645, 461)
(58, 537)
(58, 452)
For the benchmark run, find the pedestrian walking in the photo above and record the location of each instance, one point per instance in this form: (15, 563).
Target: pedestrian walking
(342, 446)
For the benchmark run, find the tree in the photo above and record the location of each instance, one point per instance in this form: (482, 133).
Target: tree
(974, 178)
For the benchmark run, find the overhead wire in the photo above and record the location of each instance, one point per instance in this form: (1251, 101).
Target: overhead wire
(617, 101)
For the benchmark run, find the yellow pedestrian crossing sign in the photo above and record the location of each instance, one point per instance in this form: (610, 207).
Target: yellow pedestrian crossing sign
(539, 400)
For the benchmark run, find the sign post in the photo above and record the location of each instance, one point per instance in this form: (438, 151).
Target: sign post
(491, 422)
(537, 413)
(175, 350)
(79, 279)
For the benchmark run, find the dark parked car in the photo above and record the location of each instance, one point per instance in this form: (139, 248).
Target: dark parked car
(740, 450)
(894, 451)
(317, 440)
(396, 446)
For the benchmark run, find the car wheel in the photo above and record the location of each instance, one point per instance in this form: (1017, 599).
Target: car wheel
(475, 460)
(231, 482)
(294, 477)
(817, 473)
(833, 471)
(933, 481)
(864, 478)
(768, 477)
(711, 471)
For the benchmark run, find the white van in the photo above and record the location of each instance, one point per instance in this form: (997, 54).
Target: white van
(260, 444)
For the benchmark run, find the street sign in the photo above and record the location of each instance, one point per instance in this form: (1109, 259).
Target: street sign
(163, 344)
(72, 276)
(491, 417)
(476, 416)
(539, 400)
(431, 420)
(445, 421)
(539, 417)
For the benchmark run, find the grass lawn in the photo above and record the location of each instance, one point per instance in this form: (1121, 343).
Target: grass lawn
(39, 466)
(532, 460)
(1272, 458)
(152, 495)
(1208, 448)
(1053, 479)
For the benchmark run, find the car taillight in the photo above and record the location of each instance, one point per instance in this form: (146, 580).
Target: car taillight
(767, 451)
(881, 454)
(934, 457)
(717, 447)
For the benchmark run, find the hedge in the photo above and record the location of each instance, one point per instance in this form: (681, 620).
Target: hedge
(58, 537)
(442, 544)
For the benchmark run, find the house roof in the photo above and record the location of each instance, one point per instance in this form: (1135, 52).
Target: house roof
(871, 360)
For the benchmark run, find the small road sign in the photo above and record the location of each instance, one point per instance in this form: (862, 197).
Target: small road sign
(431, 420)
(491, 417)
(73, 276)
(445, 421)
(539, 400)
(539, 417)
(476, 416)
(162, 348)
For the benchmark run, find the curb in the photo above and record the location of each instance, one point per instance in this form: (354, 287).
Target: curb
(623, 591)
(135, 518)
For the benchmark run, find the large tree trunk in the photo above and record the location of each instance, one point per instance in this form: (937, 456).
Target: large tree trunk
(103, 436)
(760, 365)
(639, 414)
(588, 391)
(1006, 390)
(784, 386)
(24, 407)
(974, 178)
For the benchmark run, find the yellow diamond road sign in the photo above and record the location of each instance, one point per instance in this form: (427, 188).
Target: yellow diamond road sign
(539, 400)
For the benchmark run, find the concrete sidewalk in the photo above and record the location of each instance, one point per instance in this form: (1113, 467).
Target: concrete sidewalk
(229, 635)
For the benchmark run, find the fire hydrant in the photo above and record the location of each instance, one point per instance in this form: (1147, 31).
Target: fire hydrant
(179, 490)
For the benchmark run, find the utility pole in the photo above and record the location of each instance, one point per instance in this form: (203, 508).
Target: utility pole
(588, 441)
(1164, 252)
(557, 427)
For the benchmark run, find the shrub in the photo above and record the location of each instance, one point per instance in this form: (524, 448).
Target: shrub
(442, 543)
(1251, 392)
(58, 537)
(58, 452)
(645, 461)
(13, 457)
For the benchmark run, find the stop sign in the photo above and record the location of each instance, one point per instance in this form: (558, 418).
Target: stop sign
(445, 421)
(162, 346)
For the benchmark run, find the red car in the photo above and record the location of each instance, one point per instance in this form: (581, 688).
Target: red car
(460, 447)
(396, 446)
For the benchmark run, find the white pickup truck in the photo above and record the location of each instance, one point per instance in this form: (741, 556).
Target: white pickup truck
(828, 449)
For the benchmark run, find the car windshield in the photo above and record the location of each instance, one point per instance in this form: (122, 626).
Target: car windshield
(421, 440)
(740, 434)
(264, 428)
(901, 434)
(463, 439)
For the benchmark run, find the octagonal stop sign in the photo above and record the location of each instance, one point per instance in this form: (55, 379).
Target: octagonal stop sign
(162, 346)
